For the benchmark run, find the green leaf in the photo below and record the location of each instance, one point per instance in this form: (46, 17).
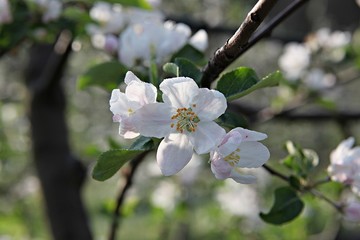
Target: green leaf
(190, 53)
(144, 4)
(243, 81)
(188, 69)
(287, 206)
(142, 143)
(300, 161)
(154, 75)
(111, 161)
(171, 68)
(107, 75)
(232, 120)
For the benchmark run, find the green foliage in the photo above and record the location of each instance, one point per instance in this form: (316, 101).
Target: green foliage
(300, 161)
(287, 206)
(79, 17)
(232, 120)
(111, 161)
(107, 75)
(133, 3)
(243, 80)
(183, 67)
(143, 143)
(191, 54)
(188, 69)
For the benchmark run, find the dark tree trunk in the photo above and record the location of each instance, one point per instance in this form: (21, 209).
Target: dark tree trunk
(61, 175)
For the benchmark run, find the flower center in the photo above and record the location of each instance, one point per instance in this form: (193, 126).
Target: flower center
(185, 119)
(233, 158)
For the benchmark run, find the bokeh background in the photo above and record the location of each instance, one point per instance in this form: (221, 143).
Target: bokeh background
(192, 204)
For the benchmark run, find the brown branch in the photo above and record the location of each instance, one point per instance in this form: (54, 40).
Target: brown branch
(275, 173)
(129, 175)
(240, 42)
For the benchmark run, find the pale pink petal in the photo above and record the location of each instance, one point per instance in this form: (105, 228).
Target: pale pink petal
(342, 149)
(200, 40)
(230, 143)
(219, 167)
(206, 136)
(154, 120)
(352, 211)
(252, 155)
(249, 135)
(141, 92)
(131, 77)
(209, 104)
(242, 178)
(119, 103)
(174, 153)
(127, 128)
(179, 91)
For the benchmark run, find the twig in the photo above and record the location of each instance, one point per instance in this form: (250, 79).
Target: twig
(239, 42)
(276, 173)
(121, 197)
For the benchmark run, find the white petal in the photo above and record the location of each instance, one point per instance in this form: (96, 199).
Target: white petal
(252, 155)
(179, 91)
(242, 178)
(127, 128)
(209, 104)
(342, 150)
(230, 143)
(153, 120)
(206, 136)
(141, 92)
(249, 135)
(131, 77)
(200, 40)
(119, 103)
(174, 152)
(219, 167)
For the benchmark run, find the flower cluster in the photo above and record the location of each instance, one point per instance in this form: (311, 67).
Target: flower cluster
(136, 36)
(5, 12)
(300, 60)
(185, 121)
(345, 165)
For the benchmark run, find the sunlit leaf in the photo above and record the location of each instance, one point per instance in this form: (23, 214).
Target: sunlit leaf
(107, 75)
(111, 161)
(287, 206)
(171, 68)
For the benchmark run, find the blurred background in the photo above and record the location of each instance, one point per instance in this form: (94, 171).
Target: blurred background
(192, 204)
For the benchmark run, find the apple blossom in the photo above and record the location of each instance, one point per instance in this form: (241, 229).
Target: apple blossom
(143, 41)
(124, 105)
(200, 40)
(294, 60)
(111, 18)
(51, 9)
(345, 164)
(184, 119)
(317, 79)
(351, 211)
(239, 149)
(5, 12)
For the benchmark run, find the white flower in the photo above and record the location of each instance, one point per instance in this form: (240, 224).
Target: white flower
(294, 60)
(200, 40)
(141, 42)
(124, 105)
(111, 18)
(165, 195)
(5, 13)
(345, 164)
(185, 119)
(351, 211)
(317, 79)
(51, 9)
(239, 149)
(137, 15)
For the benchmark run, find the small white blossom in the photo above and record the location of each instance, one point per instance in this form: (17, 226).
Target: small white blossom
(124, 105)
(185, 119)
(111, 18)
(345, 164)
(317, 79)
(5, 12)
(294, 60)
(51, 9)
(351, 211)
(141, 42)
(200, 40)
(239, 149)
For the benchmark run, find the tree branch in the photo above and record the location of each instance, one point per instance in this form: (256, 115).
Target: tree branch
(129, 175)
(239, 42)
